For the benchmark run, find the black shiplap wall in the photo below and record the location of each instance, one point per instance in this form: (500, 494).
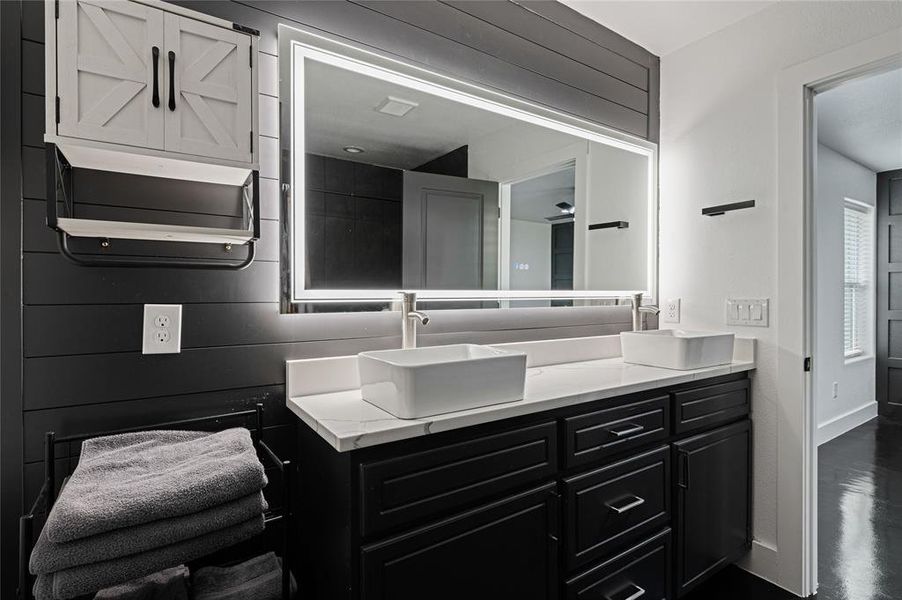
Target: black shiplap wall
(71, 336)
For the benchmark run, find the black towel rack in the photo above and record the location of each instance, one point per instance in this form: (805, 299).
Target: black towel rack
(48, 492)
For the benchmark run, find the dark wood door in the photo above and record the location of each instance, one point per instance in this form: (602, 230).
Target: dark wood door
(507, 549)
(889, 293)
(712, 490)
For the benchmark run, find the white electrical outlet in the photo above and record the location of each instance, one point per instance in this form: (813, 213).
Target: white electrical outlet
(671, 312)
(162, 329)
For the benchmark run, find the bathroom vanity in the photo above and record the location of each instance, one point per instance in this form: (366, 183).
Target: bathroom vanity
(609, 481)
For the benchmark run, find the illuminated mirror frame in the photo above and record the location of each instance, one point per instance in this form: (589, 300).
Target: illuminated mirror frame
(297, 45)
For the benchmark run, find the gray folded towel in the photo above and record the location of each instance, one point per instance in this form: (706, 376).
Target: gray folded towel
(259, 578)
(134, 478)
(48, 556)
(168, 584)
(85, 579)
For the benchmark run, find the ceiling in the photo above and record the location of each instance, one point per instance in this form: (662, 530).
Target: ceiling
(535, 199)
(341, 111)
(663, 27)
(862, 120)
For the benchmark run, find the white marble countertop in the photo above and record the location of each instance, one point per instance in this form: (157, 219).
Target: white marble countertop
(346, 421)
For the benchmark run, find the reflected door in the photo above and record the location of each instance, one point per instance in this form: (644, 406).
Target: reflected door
(450, 232)
(889, 293)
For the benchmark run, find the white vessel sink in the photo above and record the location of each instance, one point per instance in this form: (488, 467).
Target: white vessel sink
(420, 382)
(676, 348)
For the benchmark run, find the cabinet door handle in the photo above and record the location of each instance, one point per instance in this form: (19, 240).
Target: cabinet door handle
(625, 505)
(171, 80)
(625, 430)
(630, 592)
(156, 77)
(683, 470)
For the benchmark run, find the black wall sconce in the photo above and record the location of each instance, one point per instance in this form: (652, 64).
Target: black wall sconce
(610, 225)
(713, 211)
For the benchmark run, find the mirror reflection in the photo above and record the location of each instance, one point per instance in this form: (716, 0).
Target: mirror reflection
(407, 189)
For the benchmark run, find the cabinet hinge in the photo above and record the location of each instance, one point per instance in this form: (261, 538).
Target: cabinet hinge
(252, 141)
(807, 364)
(57, 102)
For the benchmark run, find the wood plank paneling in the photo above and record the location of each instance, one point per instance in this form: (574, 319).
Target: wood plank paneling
(79, 356)
(461, 26)
(556, 38)
(51, 279)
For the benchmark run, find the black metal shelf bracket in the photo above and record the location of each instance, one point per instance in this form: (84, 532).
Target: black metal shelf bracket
(714, 211)
(47, 494)
(610, 225)
(60, 192)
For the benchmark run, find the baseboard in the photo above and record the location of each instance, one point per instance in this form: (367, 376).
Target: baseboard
(837, 426)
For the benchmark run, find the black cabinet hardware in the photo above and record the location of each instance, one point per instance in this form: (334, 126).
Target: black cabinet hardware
(713, 211)
(156, 77)
(171, 80)
(610, 225)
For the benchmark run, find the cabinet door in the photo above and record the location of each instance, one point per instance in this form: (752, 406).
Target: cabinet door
(105, 72)
(507, 549)
(208, 101)
(712, 484)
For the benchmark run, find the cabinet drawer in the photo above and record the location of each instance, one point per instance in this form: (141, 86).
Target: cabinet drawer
(419, 485)
(608, 507)
(640, 572)
(708, 406)
(601, 433)
(506, 549)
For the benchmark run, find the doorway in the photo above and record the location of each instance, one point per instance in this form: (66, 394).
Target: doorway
(857, 332)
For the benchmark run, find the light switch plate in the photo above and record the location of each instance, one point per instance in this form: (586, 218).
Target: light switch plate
(162, 329)
(748, 312)
(671, 311)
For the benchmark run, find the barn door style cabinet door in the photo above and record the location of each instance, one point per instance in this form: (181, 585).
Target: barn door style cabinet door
(151, 78)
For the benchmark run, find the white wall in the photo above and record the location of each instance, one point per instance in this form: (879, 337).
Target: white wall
(838, 178)
(617, 259)
(719, 144)
(531, 245)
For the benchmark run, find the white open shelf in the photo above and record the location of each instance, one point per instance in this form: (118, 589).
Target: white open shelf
(86, 154)
(122, 230)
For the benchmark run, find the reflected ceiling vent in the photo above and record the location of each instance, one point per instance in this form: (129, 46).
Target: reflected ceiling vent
(566, 208)
(396, 107)
(566, 215)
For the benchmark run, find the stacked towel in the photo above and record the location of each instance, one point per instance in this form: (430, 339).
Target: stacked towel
(168, 584)
(140, 502)
(259, 578)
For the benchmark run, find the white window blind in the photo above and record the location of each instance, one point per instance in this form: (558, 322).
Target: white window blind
(857, 284)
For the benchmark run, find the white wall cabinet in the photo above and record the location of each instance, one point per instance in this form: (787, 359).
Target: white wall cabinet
(148, 78)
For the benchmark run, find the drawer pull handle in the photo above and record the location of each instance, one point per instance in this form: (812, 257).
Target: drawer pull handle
(630, 592)
(626, 507)
(625, 430)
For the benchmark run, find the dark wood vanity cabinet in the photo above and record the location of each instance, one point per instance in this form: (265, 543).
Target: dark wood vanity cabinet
(640, 496)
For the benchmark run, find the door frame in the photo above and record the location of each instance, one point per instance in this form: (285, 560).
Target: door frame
(796, 565)
(558, 162)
